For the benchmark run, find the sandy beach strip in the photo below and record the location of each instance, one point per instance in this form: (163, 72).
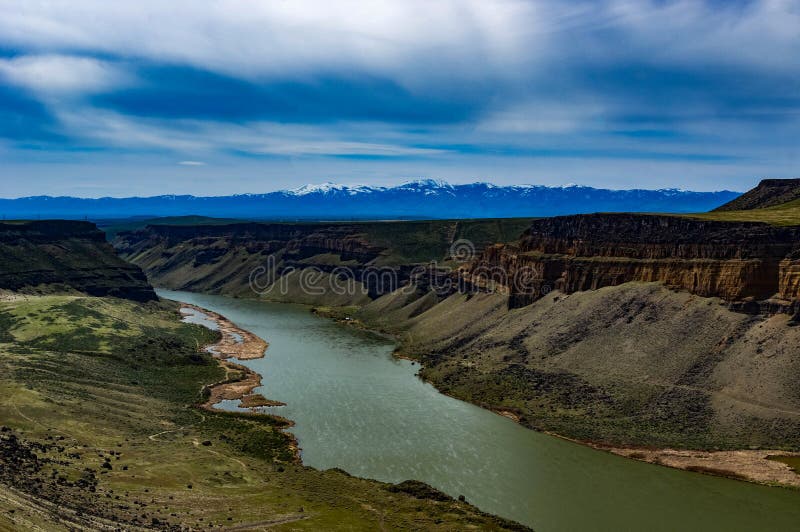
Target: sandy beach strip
(236, 344)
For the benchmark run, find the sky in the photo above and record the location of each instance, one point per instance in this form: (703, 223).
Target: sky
(215, 97)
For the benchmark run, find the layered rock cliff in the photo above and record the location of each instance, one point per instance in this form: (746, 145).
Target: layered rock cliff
(57, 255)
(734, 261)
(378, 257)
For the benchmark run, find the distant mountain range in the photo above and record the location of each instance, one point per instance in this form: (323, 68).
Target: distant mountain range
(417, 199)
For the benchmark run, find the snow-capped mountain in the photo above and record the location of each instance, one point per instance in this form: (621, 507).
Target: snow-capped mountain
(424, 198)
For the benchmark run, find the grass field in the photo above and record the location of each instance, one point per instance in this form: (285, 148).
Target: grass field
(97, 416)
(784, 214)
(112, 227)
(410, 242)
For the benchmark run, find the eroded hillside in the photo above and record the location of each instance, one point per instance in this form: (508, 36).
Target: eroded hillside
(378, 256)
(57, 256)
(640, 330)
(634, 364)
(743, 263)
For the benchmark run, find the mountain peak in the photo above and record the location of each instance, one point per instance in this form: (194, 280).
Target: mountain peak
(329, 187)
(426, 183)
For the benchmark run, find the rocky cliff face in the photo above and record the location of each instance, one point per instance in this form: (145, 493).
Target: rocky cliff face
(789, 279)
(66, 255)
(733, 261)
(377, 256)
(222, 259)
(743, 263)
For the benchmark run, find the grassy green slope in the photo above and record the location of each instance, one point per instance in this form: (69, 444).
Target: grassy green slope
(785, 214)
(96, 409)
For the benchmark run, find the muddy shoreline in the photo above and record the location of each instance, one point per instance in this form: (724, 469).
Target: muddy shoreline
(240, 381)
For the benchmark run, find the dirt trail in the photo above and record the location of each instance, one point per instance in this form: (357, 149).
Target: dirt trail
(268, 524)
(215, 453)
(54, 515)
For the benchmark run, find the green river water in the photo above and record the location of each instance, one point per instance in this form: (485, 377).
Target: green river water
(358, 408)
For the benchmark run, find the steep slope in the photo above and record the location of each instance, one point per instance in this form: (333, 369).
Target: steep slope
(377, 257)
(738, 262)
(623, 329)
(768, 193)
(57, 255)
(634, 364)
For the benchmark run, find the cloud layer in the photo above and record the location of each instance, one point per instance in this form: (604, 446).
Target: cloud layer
(698, 94)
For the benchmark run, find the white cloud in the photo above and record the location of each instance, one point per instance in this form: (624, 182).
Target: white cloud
(254, 39)
(474, 39)
(197, 138)
(340, 147)
(61, 74)
(192, 163)
(547, 116)
(764, 34)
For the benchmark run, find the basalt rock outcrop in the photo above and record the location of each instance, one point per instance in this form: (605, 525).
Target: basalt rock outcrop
(378, 256)
(738, 262)
(222, 258)
(58, 255)
(298, 240)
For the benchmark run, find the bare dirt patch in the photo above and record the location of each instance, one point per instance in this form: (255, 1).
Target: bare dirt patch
(752, 465)
(240, 381)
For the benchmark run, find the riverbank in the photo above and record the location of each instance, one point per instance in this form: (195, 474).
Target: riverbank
(240, 381)
(761, 466)
(102, 433)
(361, 410)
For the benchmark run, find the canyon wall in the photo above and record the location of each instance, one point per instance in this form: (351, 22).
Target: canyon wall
(605, 360)
(377, 256)
(733, 261)
(58, 255)
(754, 266)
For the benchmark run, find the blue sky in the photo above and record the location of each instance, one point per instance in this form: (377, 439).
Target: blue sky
(232, 96)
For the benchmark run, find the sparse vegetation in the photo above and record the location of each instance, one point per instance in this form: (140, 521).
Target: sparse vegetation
(786, 214)
(99, 426)
(601, 366)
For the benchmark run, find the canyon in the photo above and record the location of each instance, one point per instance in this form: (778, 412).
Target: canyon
(616, 329)
(101, 418)
(747, 264)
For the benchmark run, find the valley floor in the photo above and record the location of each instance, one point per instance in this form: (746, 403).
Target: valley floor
(99, 430)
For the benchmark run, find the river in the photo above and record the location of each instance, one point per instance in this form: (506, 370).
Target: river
(358, 408)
